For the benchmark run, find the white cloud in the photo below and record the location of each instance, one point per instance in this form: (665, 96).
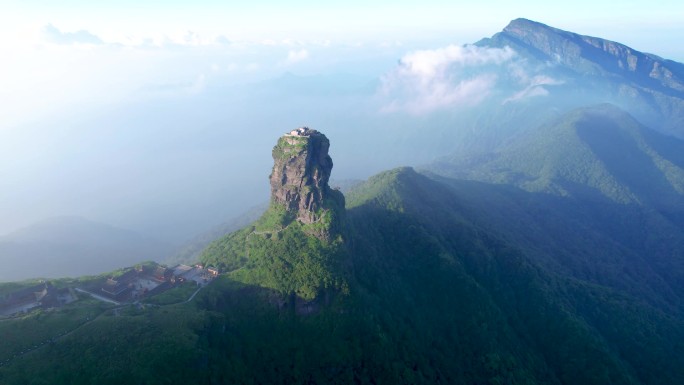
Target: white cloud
(534, 86)
(429, 63)
(54, 35)
(438, 95)
(461, 76)
(292, 42)
(186, 38)
(453, 76)
(193, 38)
(295, 56)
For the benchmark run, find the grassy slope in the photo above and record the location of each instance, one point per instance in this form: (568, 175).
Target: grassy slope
(278, 253)
(434, 297)
(596, 152)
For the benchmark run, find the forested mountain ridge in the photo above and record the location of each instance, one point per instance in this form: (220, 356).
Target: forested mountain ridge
(594, 152)
(427, 225)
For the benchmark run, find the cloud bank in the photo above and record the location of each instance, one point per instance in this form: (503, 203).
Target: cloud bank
(54, 35)
(458, 76)
(534, 86)
(429, 80)
(295, 56)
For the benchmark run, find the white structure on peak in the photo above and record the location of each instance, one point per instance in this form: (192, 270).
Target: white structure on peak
(301, 131)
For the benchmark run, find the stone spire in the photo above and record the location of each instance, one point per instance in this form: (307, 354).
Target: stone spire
(299, 180)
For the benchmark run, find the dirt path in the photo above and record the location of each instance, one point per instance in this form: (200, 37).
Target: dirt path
(98, 297)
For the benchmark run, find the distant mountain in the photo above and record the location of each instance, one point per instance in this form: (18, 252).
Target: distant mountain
(598, 70)
(587, 55)
(70, 247)
(550, 73)
(594, 152)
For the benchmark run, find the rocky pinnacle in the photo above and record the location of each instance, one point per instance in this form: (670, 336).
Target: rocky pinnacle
(301, 171)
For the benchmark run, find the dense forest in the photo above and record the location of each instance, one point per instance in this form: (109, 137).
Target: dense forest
(424, 289)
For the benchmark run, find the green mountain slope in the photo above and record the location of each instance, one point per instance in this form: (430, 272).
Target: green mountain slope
(438, 292)
(595, 152)
(281, 254)
(296, 247)
(543, 303)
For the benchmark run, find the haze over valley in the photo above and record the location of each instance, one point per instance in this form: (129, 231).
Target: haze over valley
(353, 203)
(176, 160)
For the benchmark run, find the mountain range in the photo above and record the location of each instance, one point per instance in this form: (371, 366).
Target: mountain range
(552, 72)
(596, 152)
(546, 247)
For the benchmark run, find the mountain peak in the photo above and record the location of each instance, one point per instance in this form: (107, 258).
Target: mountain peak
(522, 23)
(300, 176)
(296, 246)
(592, 55)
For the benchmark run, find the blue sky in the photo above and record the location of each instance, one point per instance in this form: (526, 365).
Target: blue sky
(640, 23)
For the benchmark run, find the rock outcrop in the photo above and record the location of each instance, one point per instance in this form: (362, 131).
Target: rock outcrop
(299, 180)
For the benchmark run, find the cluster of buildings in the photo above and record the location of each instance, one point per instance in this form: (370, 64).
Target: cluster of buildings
(147, 280)
(302, 131)
(134, 284)
(42, 295)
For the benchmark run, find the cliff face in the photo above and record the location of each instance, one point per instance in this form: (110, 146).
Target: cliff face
(584, 70)
(597, 56)
(299, 180)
